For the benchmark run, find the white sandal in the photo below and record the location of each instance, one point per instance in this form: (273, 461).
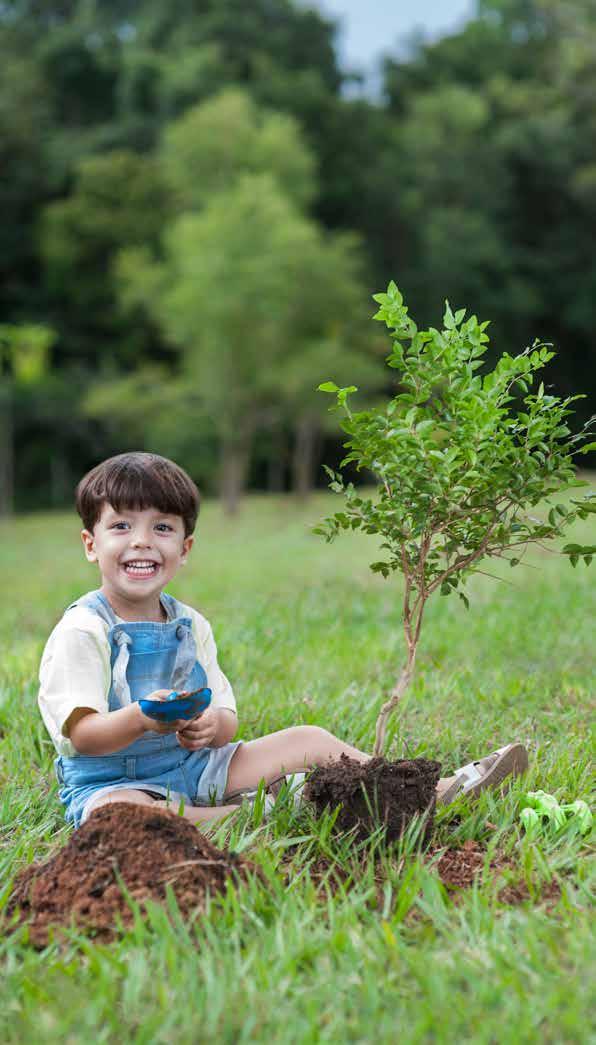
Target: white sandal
(489, 771)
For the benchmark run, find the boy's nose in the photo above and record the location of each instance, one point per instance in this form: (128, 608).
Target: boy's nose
(141, 541)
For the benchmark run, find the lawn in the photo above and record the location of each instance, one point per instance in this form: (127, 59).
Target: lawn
(372, 950)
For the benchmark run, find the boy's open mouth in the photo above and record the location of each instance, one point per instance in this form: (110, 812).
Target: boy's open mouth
(140, 568)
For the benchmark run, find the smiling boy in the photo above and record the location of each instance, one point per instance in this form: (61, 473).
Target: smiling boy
(130, 640)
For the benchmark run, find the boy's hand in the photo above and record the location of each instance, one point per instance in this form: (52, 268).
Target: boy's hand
(200, 732)
(151, 724)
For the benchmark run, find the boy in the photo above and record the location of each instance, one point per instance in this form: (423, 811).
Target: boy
(130, 640)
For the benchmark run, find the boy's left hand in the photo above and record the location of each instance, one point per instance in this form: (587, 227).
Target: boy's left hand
(200, 732)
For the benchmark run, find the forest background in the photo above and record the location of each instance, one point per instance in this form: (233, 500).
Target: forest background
(197, 205)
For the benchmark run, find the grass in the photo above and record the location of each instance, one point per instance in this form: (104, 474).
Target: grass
(367, 950)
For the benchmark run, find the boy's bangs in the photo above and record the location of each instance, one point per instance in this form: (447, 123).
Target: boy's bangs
(141, 490)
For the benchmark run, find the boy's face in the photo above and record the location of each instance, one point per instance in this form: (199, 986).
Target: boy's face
(138, 553)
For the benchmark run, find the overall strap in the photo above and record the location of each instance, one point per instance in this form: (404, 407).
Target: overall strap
(95, 601)
(99, 604)
(119, 680)
(186, 655)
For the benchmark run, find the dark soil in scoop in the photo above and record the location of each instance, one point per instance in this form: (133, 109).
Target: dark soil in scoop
(147, 849)
(376, 793)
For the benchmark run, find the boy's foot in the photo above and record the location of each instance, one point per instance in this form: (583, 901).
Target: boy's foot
(489, 771)
(293, 781)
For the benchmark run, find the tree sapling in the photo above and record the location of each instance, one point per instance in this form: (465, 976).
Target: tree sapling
(457, 465)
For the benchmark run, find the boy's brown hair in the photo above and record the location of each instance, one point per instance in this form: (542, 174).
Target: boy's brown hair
(135, 481)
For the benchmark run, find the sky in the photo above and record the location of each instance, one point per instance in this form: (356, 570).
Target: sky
(370, 27)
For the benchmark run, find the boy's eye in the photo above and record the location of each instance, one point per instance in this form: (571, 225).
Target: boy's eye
(118, 525)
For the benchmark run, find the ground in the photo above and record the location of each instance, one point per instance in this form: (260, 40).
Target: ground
(330, 944)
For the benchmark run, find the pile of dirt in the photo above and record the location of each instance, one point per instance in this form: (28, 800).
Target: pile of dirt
(376, 793)
(458, 868)
(148, 850)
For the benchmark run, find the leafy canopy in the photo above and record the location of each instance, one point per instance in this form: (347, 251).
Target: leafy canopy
(457, 464)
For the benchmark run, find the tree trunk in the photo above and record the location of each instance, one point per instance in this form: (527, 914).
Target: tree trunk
(6, 452)
(397, 693)
(303, 457)
(59, 479)
(235, 460)
(276, 463)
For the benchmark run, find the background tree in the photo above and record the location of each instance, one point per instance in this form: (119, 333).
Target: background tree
(225, 292)
(472, 176)
(119, 200)
(23, 362)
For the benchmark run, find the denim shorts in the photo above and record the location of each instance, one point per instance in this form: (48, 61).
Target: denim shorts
(200, 778)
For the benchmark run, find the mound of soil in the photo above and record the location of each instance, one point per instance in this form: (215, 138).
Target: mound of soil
(457, 868)
(376, 793)
(147, 849)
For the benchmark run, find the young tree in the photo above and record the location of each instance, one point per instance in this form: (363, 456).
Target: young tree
(457, 465)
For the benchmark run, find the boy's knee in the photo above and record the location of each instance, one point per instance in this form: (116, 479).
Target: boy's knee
(122, 795)
(312, 736)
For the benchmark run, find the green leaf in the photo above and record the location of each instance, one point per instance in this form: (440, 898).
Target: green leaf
(448, 317)
(381, 567)
(587, 448)
(343, 393)
(394, 294)
(464, 599)
(328, 386)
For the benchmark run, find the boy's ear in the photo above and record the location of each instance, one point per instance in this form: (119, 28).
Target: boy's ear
(89, 543)
(186, 546)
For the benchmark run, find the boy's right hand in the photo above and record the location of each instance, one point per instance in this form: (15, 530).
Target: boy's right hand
(152, 725)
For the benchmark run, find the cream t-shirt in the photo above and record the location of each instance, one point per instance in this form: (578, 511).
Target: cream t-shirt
(75, 670)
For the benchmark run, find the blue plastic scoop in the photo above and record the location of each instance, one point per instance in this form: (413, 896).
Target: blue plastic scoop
(177, 705)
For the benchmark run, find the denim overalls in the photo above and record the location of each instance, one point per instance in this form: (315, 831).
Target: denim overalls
(145, 656)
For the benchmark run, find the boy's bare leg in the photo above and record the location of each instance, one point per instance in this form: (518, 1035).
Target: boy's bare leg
(287, 751)
(291, 751)
(196, 814)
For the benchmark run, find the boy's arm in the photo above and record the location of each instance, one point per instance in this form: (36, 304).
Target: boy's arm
(226, 728)
(93, 733)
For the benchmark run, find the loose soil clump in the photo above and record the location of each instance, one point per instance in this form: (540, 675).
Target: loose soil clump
(459, 868)
(148, 850)
(376, 793)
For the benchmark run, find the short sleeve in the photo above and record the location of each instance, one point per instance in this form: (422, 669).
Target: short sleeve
(74, 673)
(222, 693)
